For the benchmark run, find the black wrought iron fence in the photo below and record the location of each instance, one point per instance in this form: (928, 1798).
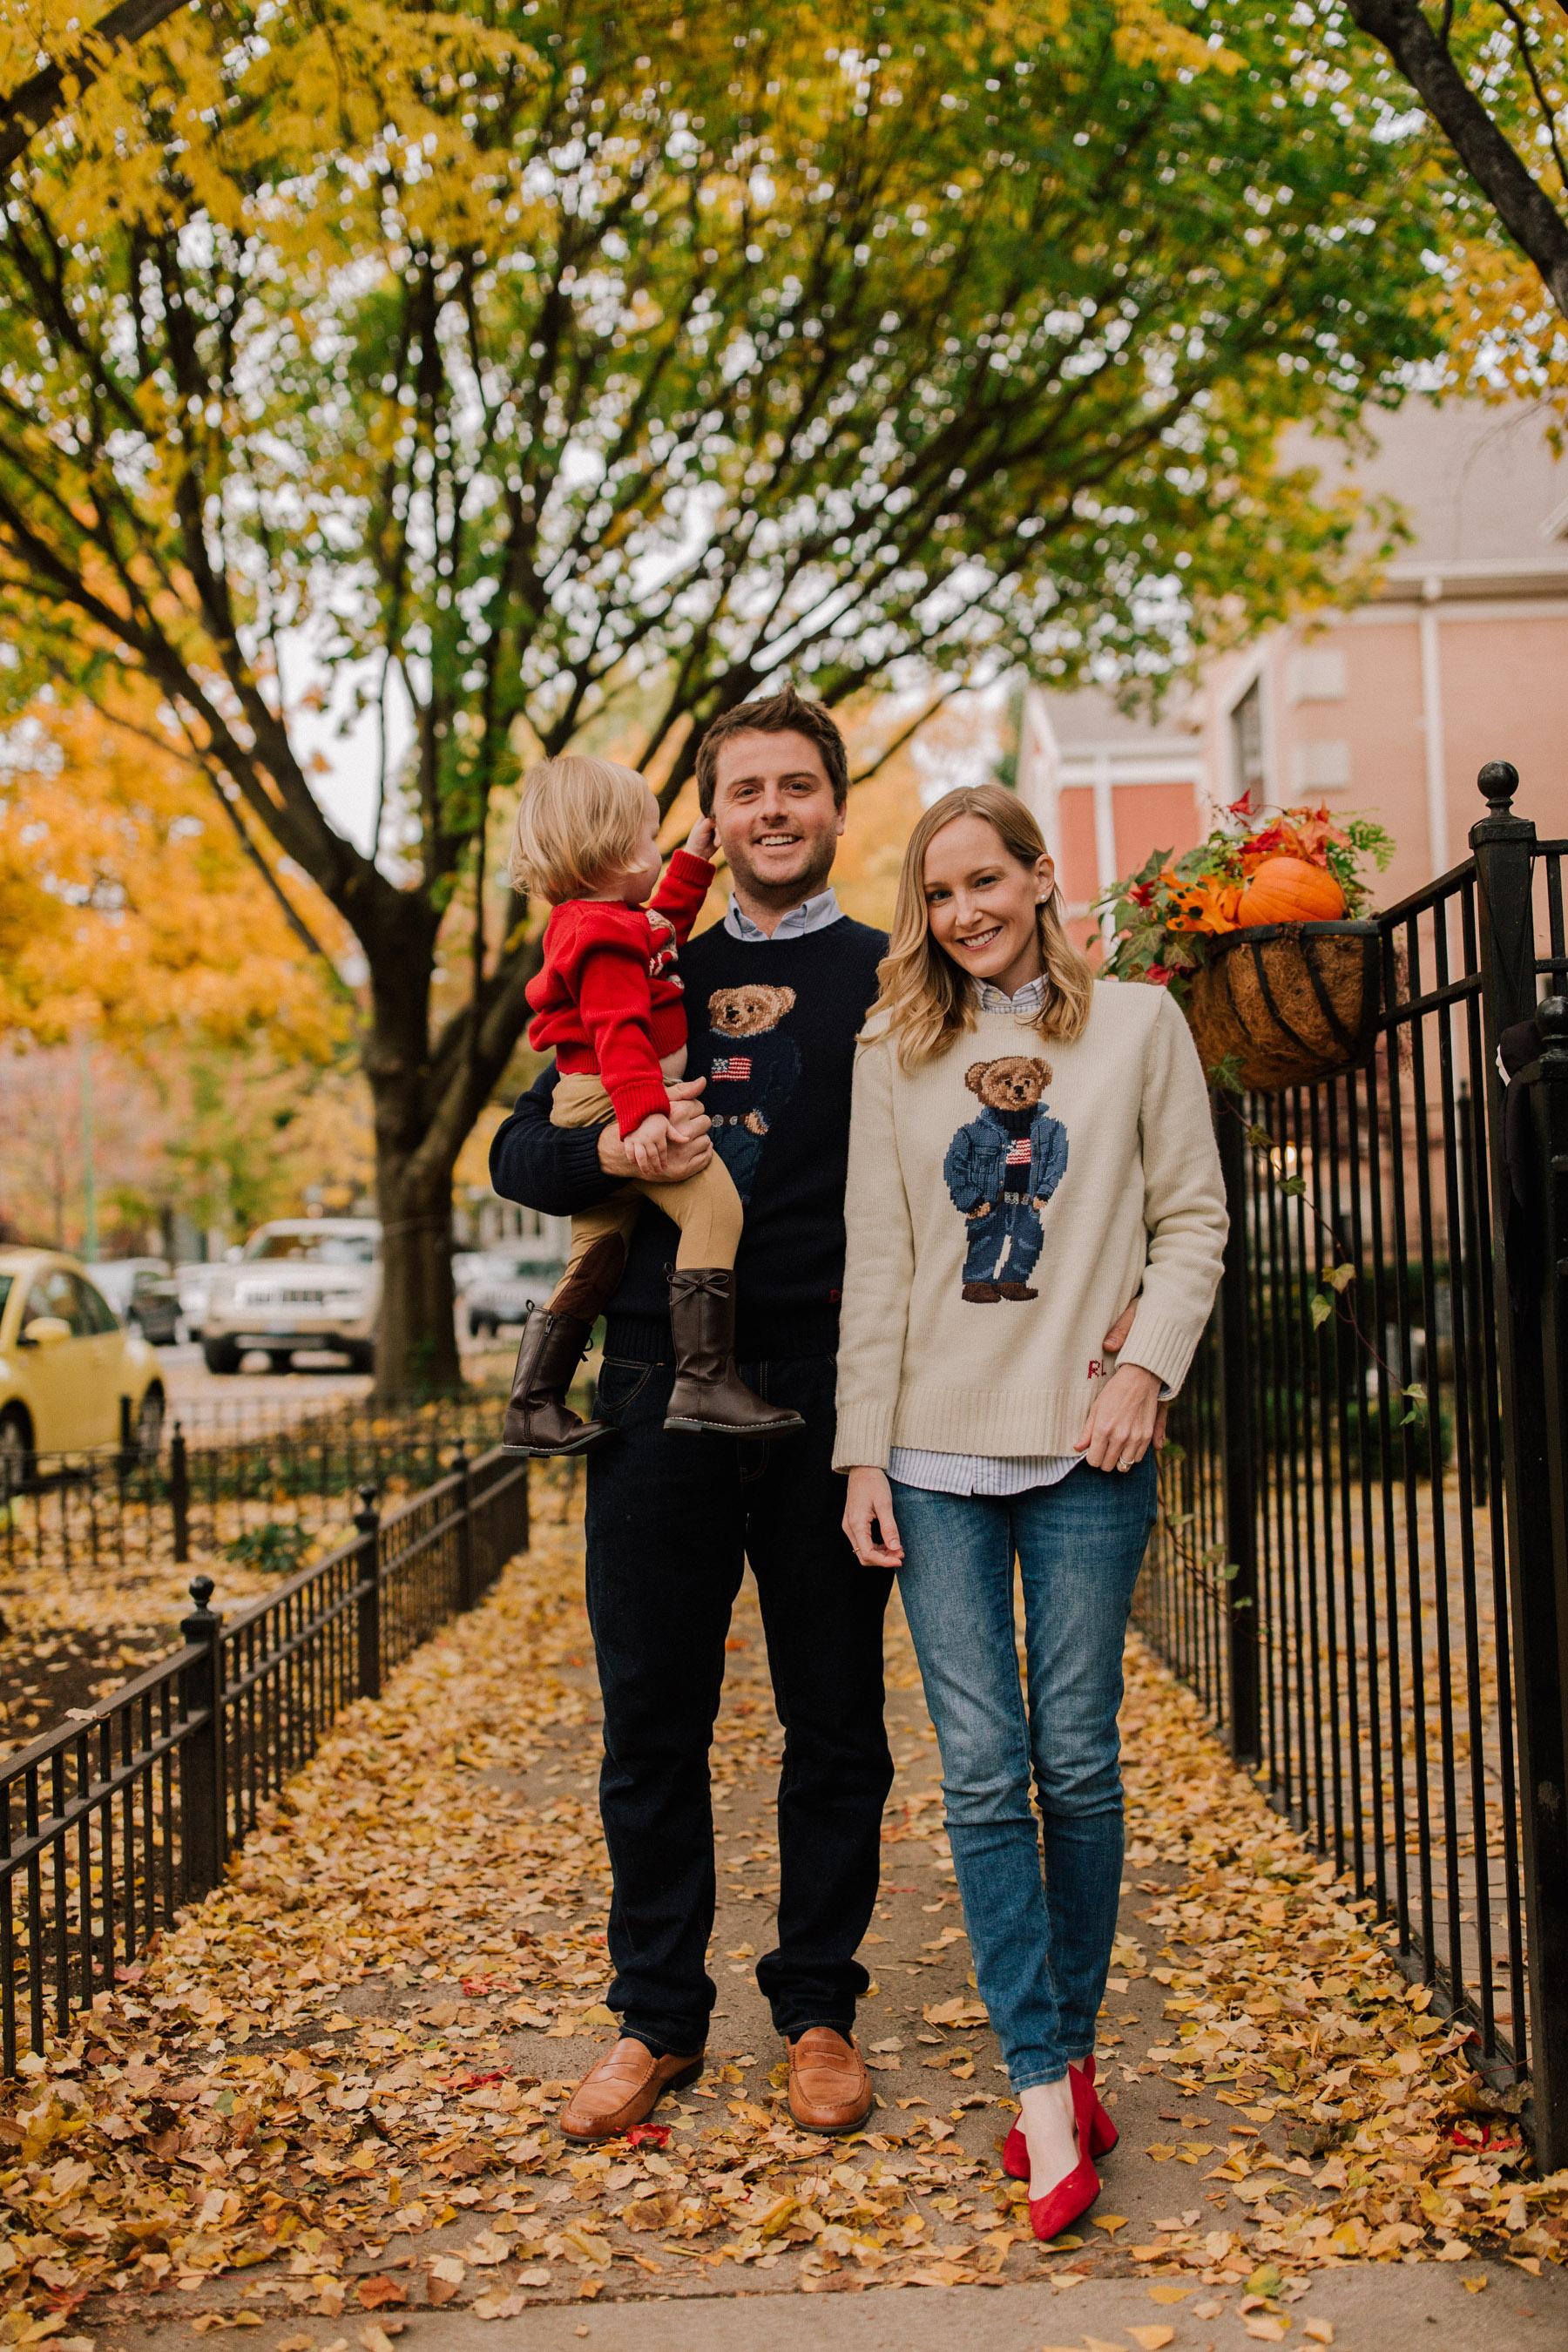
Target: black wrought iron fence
(1359, 1568)
(226, 1487)
(109, 1824)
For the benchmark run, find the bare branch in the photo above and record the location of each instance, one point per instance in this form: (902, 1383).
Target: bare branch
(48, 92)
(1522, 206)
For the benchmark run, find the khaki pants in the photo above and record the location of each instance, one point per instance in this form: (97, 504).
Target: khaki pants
(706, 1207)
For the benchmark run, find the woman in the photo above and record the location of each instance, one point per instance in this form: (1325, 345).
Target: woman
(1030, 1149)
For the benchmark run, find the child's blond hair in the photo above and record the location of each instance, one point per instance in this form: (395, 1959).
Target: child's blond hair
(578, 820)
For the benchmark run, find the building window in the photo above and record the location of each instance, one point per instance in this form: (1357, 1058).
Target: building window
(1247, 743)
(1321, 766)
(1317, 675)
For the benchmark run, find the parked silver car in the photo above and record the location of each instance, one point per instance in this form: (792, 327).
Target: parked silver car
(300, 1283)
(502, 1285)
(143, 1295)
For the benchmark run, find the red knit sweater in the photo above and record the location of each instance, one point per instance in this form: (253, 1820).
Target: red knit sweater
(608, 997)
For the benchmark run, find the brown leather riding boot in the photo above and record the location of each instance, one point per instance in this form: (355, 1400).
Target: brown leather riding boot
(539, 1421)
(709, 1392)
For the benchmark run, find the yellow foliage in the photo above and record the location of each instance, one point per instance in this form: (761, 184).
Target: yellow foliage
(130, 909)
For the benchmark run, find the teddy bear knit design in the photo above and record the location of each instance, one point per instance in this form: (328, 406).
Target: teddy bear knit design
(753, 1071)
(1001, 1170)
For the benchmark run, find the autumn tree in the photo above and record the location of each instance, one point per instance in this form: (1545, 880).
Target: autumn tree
(533, 364)
(49, 56)
(124, 883)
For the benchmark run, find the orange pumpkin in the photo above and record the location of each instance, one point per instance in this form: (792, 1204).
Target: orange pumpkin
(1289, 891)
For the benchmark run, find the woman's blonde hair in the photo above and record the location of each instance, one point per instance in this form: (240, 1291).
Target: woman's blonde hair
(926, 1000)
(578, 820)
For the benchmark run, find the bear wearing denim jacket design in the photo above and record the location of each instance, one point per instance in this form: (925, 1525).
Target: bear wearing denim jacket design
(1001, 1170)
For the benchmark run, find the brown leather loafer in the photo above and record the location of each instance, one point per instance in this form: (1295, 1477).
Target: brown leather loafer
(623, 2088)
(830, 2089)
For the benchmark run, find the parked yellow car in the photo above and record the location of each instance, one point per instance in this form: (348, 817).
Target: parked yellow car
(66, 1362)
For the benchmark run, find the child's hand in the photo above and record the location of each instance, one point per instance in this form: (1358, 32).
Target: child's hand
(703, 840)
(647, 1146)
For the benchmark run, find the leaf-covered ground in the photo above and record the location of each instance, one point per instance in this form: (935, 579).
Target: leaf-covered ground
(329, 2094)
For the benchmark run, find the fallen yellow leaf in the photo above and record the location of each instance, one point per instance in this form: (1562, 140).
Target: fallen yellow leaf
(1267, 2327)
(1111, 2222)
(1321, 2331)
(1474, 2287)
(1153, 2339)
(1169, 2294)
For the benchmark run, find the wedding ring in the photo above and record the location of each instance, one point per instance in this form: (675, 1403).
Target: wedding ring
(1126, 1462)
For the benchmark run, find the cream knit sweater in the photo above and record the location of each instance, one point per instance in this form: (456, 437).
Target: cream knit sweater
(1113, 1133)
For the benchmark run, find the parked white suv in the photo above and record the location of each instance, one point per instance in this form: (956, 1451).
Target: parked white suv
(502, 1284)
(301, 1282)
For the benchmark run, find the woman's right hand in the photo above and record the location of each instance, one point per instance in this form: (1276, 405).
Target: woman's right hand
(869, 1520)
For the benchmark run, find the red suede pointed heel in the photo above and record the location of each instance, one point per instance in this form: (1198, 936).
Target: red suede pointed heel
(1071, 2197)
(1102, 2134)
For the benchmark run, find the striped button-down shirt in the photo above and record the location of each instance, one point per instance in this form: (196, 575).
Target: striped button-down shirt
(811, 915)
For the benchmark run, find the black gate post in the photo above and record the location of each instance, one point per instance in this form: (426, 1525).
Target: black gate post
(1236, 1407)
(1504, 846)
(203, 1804)
(367, 1519)
(1549, 1583)
(180, 1495)
(466, 1582)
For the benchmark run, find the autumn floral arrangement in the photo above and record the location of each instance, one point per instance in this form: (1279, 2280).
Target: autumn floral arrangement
(1295, 866)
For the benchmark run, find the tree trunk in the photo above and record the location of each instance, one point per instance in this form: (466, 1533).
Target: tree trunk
(417, 1349)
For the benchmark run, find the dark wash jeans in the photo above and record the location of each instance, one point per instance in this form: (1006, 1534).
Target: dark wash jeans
(671, 1520)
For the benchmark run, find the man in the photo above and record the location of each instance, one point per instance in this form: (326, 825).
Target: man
(775, 995)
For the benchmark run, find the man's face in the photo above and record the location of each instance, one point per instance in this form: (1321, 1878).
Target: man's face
(774, 814)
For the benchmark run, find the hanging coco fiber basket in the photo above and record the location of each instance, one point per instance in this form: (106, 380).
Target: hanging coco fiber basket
(1293, 1003)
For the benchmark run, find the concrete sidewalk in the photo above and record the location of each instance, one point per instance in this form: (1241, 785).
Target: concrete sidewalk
(437, 2183)
(1372, 2307)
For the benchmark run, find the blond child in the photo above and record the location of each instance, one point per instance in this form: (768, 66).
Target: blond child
(608, 1001)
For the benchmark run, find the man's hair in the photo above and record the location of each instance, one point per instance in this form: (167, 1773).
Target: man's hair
(779, 714)
(578, 820)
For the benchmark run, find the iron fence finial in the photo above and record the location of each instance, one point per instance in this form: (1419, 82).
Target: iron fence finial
(1499, 780)
(201, 1592)
(1551, 1021)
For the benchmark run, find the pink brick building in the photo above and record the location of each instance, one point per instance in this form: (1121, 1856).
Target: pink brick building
(1459, 655)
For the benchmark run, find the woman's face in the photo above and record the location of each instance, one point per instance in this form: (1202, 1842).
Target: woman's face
(983, 903)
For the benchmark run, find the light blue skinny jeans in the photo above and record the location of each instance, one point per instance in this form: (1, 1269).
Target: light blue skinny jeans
(1041, 1940)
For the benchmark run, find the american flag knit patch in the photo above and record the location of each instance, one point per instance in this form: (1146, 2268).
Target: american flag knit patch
(730, 1066)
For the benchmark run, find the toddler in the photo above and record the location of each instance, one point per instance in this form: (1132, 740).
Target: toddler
(608, 999)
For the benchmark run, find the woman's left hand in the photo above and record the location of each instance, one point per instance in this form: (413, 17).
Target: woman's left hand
(1125, 1419)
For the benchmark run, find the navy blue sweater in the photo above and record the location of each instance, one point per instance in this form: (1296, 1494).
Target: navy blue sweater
(772, 1027)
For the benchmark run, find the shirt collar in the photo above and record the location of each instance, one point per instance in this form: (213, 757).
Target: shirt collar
(811, 915)
(1029, 1001)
